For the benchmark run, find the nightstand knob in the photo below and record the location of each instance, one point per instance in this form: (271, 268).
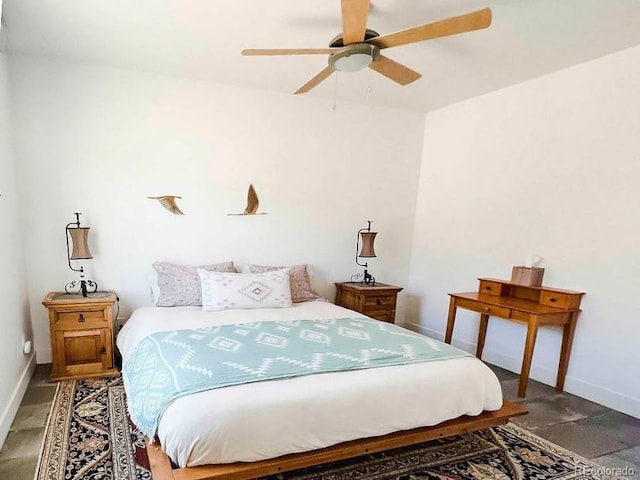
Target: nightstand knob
(103, 351)
(378, 302)
(81, 319)
(487, 309)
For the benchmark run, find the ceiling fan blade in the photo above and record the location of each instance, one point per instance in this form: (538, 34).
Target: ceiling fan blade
(394, 71)
(286, 51)
(354, 20)
(319, 77)
(451, 26)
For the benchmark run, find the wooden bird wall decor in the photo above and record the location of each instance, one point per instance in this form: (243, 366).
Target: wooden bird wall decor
(169, 202)
(252, 203)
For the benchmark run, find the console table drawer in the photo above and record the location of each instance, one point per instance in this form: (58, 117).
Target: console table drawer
(490, 288)
(554, 299)
(519, 316)
(483, 308)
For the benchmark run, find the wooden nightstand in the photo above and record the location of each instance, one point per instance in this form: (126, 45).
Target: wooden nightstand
(377, 302)
(81, 335)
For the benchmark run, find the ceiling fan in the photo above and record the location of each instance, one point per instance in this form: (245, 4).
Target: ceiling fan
(358, 47)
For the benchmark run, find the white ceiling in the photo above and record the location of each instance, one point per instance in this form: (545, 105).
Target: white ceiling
(202, 39)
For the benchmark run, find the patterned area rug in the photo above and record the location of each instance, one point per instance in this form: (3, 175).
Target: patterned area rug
(89, 436)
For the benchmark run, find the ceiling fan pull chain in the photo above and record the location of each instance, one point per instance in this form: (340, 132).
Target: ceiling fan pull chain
(369, 87)
(335, 92)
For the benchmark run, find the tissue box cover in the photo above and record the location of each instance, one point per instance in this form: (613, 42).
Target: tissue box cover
(529, 276)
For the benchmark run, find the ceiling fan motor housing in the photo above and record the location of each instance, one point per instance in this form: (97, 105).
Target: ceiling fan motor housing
(354, 57)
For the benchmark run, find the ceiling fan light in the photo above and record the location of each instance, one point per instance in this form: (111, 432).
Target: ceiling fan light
(353, 63)
(353, 58)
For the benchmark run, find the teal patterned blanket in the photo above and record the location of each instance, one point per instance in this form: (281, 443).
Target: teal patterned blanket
(171, 364)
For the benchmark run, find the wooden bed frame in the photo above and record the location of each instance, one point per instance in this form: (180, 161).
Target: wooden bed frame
(161, 466)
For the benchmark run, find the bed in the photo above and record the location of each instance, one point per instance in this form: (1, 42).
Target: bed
(256, 422)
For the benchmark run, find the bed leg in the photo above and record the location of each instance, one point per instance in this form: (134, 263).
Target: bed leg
(158, 461)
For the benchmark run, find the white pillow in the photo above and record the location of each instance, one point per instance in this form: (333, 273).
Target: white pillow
(222, 290)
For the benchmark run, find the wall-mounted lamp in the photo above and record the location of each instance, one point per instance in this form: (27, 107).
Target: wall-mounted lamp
(367, 251)
(80, 251)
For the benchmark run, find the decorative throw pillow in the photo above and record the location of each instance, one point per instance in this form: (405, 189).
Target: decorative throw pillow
(301, 290)
(222, 291)
(180, 285)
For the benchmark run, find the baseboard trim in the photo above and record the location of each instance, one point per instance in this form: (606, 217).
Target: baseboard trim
(16, 398)
(609, 398)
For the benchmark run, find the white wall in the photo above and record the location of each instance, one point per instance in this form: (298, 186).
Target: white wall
(15, 325)
(99, 141)
(549, 166)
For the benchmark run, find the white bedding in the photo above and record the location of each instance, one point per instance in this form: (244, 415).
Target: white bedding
(272, 418)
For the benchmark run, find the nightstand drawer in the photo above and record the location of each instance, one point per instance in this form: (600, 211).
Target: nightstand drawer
(80, 320)
(382, 315)
(483, 308)
(376, 301)
(380, 301)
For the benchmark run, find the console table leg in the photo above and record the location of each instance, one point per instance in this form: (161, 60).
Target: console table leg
(565, 351)
(451, 320)
(482, 334)
(532, 333)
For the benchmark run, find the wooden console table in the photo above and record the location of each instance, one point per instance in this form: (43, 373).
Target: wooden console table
(533, 306)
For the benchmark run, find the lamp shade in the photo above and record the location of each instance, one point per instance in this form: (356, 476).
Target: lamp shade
(80, 246)
(367, 250)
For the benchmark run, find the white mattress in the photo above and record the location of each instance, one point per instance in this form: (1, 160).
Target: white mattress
(272, 418)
